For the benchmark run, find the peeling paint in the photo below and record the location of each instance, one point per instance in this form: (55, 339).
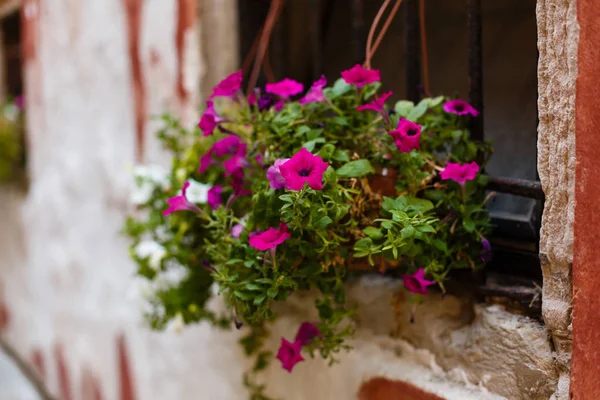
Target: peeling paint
(186, 15)
(133, 11)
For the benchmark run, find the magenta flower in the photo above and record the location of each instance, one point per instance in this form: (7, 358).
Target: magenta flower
(406, 136)
(181, 203)
(285, 88)
(209, 120)
(360, 77)
(376, 105)
(416, 282)
(289, 354)
(460, 172)
(315, 94)
(214, 197)
(303, 168)
(228, 146)
(270, 238)
(460, 107)
(266, 101)
(228, 86)
(238, 184)
(237, 161)
(306, 332)
(236, 231)
(276, 180)
(252, 99)
(20, 102)
(486, 250)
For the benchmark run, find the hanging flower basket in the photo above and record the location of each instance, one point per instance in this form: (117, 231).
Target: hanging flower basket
(285, 190)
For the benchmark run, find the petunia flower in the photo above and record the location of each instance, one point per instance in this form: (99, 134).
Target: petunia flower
(460, 172)
(20, 102)
(252, 99)
(227, 146)
(376, 105)
(285, 88)
(303, 168)
(237, 161)
(228, 86)
(406, 136)
(279, 105)
(416, 282)
(236, 231)
(197, 192)
(209, 120)
(360, 76)
(270, 238)
(238, 183)
(460, 107)
(289, 354)
(152, 250)
(315, 94)
(214, 197)
(486, 250)
(306, 332)
(181, 203)
(276, 180)
(266, 101)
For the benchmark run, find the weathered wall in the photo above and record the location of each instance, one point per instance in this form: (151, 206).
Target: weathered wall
(558, 33)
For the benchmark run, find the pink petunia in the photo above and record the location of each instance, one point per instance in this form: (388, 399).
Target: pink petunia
(238, 184)
(376, 105)
(181, 203)
(270, 238)
(214, 197)
(285, 88)
(228, 86)
(303, 168)
(306, 332)
(236, 231)
(252, 99)
(289, 354)
(460, 107)
(209, 120)
(315, 94)
(276, 180)
(237, 161)
(460, 172)
(360, 76)
(406, 136)
(228, 146)
(416, 282)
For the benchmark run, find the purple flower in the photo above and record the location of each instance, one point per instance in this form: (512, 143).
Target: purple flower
(181, 203)
(228, 86)
(376, 105)
(306, 332)
(289, 354)
(228, 146)
(460, 107)
(315, 94)
(237, 161)
(460, 172)
(209, 120)
(236, 231)
(416, 282)
(237, 183)
(279, 105)
(252, 99)
(360, 76)
(266, 101)
(270, 238)
(20, 102)
(214, 197)
(207, 266)
(486, 250)
(276, 180)
(406, 136)
(303, 168)
(285, 88)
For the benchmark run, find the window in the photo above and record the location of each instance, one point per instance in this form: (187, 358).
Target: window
(485, 52)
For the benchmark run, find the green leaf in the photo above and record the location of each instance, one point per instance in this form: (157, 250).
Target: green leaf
(330, 176)
(418, 111)
(322, 223)
(440, 245)
(436, 101)
(483, 180)
(387, 225)
(468, 224)
(373, 232)
(426, 229)
(363, 244)
(310, 145)
(420, 205)
(339, 121)
(326, 151)
(252, 286)
(403, 107)
(355, 169)
(241, 295)
(339, 88)
(407, 232)
(273, 292)
(259, 299)
(388, 204)
(340, 155)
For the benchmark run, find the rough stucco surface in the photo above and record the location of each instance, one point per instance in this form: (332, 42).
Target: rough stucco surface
(558, 33)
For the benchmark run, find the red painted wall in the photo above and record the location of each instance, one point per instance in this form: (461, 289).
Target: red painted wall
(585, 369)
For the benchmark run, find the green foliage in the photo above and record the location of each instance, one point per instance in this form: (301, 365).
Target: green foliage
(428, 223)
(11, 143)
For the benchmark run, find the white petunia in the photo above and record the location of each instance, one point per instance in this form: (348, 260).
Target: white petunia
(176, 324)
(197, 192)
(148, 178)
(151, 249)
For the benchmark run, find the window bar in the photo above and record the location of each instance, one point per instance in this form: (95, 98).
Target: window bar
(475, 66)
(412, 49)
(517, 187)
(358, 31)
(315, 39)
